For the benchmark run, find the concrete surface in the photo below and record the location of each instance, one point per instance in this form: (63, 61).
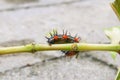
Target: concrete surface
(28, 21)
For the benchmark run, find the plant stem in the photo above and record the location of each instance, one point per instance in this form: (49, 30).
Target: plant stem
(118, 75)
(46, 47)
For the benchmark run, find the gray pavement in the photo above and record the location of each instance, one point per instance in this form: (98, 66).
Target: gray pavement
(27, 21)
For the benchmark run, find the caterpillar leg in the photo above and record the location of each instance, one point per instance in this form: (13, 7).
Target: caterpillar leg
(77, 55)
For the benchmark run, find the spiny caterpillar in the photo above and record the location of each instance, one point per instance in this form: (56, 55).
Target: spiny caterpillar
(55, 38)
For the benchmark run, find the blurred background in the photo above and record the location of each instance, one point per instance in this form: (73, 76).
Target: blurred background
(28, 21)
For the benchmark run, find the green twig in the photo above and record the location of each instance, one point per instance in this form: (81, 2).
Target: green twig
(46, 47)
(118, 75)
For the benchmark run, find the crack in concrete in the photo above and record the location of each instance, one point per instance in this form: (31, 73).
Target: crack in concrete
(39, 6)
(56, 58)
(95, 59)
(33, 64)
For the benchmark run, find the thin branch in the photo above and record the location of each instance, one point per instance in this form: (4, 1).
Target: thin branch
(71, 47)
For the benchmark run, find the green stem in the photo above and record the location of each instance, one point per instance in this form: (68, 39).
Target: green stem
(118, 75)
(74, 46)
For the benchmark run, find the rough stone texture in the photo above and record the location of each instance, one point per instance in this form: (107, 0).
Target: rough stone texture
(22, 23)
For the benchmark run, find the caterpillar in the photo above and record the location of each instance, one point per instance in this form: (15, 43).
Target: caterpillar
(55, 38)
